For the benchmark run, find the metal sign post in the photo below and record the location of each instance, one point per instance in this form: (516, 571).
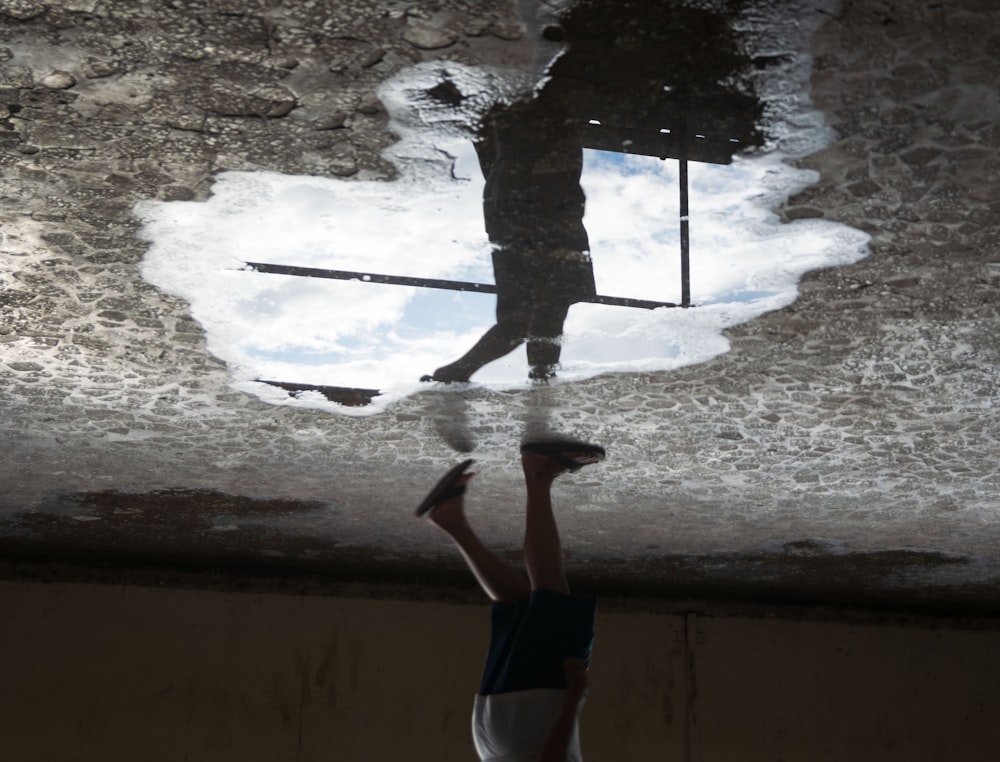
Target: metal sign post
(685, 235)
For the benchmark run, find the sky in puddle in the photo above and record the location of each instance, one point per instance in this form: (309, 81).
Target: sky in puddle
(428, 223)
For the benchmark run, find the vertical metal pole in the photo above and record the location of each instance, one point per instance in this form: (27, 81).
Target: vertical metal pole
(685, 236)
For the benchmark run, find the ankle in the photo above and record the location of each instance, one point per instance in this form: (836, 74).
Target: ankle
(448, 517)
(538, 491)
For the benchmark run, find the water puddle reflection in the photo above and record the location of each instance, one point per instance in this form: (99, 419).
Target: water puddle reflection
(575, 214)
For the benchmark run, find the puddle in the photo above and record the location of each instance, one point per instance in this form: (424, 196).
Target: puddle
(399, 280)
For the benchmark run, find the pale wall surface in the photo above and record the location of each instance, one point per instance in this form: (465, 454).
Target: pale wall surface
(817, 691)
(125, 673)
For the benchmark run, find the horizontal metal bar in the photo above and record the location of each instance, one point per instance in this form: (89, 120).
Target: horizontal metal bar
(345, 395)
(392, 280)
(624, 301)
(660, 145)
(451, 285)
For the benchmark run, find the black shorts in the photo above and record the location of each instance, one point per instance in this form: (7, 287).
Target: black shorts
(530, 639)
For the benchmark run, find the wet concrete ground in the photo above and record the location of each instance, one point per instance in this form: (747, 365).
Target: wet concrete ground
(844, 450)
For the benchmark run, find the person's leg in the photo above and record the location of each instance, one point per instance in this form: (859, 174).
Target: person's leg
(545, 339)
(498, 341)
(499, 580)
(542, 547)
(513, 313)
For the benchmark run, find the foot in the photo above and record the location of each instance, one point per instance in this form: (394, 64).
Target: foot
(541, 374)
(539, 467)
(449, 514)
(448, 374)
(452, 484)
(566, 454)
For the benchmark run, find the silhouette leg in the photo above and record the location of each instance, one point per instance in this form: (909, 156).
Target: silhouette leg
(499, 580)
(545, 339)
(495, 343)
(513, 311)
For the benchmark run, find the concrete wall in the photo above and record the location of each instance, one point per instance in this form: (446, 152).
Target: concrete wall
(105, 672)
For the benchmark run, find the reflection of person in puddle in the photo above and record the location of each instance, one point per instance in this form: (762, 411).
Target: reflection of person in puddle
(633, 74)
(534, 682)
(531, 157)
